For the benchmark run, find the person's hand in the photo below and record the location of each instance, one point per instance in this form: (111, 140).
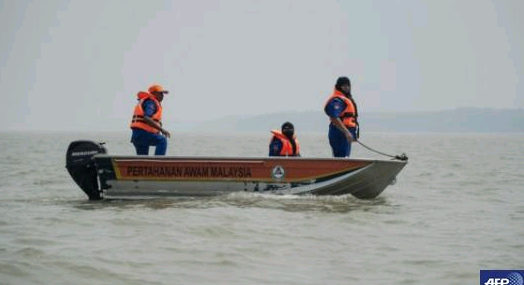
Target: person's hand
(350, 137)
(166, 133)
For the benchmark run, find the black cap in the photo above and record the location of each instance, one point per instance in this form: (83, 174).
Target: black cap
(343, 81)
(287, 125)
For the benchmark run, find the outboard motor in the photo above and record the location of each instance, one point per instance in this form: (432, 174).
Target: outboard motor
(81, 166)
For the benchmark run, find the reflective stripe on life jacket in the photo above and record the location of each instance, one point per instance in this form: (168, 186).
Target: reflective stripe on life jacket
(349, 115)
(287, 148)
(138, 115)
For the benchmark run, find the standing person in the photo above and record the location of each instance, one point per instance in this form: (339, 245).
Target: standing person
(146, 124)
(343, 114)
(284, 142)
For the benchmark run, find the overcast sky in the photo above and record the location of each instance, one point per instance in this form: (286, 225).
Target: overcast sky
(77, 65)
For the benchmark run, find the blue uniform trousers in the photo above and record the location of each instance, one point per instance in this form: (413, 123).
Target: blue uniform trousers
(340, 146)
(142, 140)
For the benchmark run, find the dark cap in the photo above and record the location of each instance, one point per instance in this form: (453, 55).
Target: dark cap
(343, 81)
(287, 125)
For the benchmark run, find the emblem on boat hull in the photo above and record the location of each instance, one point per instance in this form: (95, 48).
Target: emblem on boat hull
(278, 172)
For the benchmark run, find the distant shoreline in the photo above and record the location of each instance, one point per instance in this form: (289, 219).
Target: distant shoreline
(460, 120)
(455, 120)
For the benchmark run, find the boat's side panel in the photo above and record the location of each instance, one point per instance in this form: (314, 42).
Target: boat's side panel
(365, 183)
(187, 188)
(137, 176)
(240, 170)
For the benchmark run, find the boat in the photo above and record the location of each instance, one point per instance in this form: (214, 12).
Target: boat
(101, 175)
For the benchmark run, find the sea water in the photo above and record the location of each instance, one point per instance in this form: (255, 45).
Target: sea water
(456, 208)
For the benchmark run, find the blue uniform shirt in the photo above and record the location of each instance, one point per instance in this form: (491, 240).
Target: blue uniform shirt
(149, 108)
(335, 107)
(275, 147)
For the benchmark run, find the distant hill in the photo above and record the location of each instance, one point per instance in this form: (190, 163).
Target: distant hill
(455, 120)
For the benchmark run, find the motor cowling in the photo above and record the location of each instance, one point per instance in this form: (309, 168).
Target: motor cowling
(81, 166)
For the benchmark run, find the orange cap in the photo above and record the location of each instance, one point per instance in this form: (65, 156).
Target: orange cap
(157, 88)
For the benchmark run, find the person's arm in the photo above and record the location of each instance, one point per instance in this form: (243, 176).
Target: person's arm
(157, 126)
(274, 147)
(149, 110)
(339, 125)
(333, 110)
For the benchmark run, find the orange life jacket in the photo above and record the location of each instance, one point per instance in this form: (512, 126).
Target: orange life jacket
(287, 148)
(349, 115)
(138, 115)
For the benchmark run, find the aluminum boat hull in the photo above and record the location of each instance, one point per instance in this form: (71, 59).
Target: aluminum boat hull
(101, 175)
